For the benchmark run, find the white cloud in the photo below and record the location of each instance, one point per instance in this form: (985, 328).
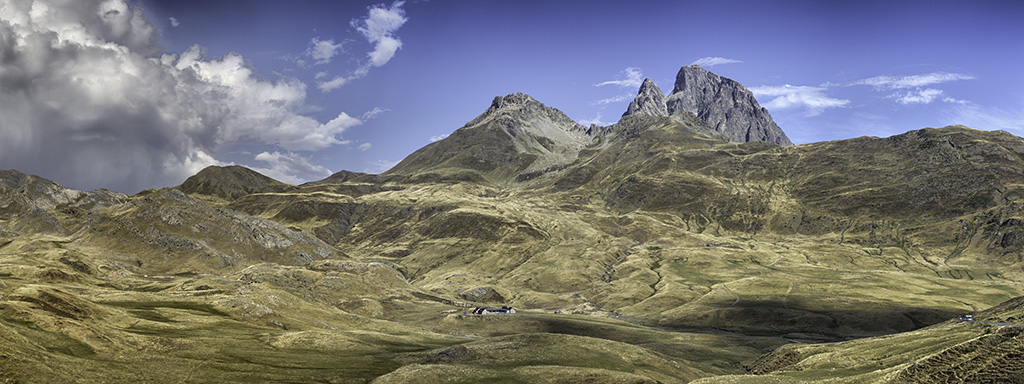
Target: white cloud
(290, 167)
(918, 96)
(812, 99)
(595, 121)
(332, 84)
(438, 137)
(384, 51)
(320, 75)
(378, 27)
(631, 78)
(380, 166)
(913, 81)
(84, 101)
(373, 113)
(713, 61)
(258, 109)
(191, 164)
(174, 22)
(915, 85)
(117, 23)
(365, 146)
(987, 118)
(382, 21)
(321, 51)
(615, 99)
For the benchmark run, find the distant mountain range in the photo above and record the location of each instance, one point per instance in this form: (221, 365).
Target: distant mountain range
(688, 241)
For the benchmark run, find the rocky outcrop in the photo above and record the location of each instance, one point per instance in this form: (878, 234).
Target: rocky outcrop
(34, 204)
(27, 191)
(650, 101)
(725, 105)
(519, 108)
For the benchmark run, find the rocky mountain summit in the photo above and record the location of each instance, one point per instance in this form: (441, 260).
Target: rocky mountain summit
(650, 101)
(515, 134)
(723, 103)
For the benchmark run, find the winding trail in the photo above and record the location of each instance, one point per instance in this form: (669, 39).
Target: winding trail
(994, 323)
(731, 293)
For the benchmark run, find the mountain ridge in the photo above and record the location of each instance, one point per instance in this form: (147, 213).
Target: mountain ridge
(727, 106)
(526, 138)
(516, 134)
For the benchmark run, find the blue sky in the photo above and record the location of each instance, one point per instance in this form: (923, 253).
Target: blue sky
(143, 93)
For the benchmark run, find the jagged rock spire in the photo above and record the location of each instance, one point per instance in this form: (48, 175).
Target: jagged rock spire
(650, 101)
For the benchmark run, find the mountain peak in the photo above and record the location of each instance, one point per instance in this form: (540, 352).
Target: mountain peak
(649, 101)
(520, 107)
(725, 105)
(230, 182)
(513, 99)
(517, 134)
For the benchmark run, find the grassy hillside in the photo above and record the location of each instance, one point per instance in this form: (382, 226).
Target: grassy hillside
(668, 254)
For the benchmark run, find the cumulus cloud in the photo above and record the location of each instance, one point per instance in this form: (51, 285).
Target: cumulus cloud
(85, 101)
(812, 99)
(630, 78)
(913, 81)
(713, 61)
(290, 167)
(256, 109)
(365, 146)
(321, 51)
(379, 27)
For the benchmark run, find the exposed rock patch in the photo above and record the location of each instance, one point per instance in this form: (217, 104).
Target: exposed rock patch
(649, 101)
(725, 105)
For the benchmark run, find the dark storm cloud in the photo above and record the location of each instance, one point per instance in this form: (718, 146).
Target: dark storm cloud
(84, 101)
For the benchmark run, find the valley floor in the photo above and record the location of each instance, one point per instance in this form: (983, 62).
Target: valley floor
(773, 317)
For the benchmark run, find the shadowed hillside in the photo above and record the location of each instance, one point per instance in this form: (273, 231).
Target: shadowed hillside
(230, 183)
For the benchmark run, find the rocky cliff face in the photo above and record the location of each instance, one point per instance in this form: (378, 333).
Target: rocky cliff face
(725, 105)
(650, 101)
